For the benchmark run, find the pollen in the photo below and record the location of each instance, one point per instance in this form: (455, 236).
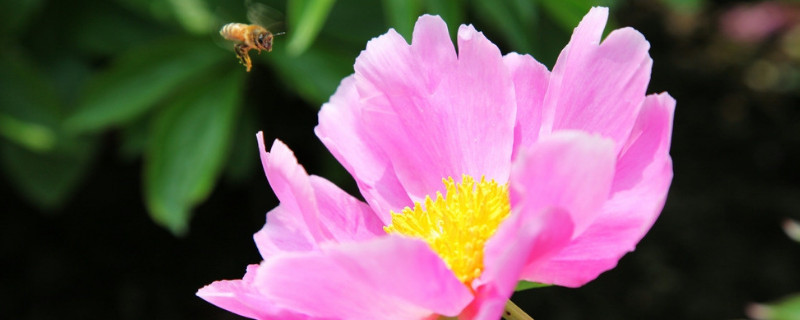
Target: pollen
(457, 225)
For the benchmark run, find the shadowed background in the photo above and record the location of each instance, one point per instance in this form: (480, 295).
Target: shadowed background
(130, 174)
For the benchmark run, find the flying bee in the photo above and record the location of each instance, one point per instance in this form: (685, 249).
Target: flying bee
(247, 36)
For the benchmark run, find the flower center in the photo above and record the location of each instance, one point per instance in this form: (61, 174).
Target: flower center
(457, 225)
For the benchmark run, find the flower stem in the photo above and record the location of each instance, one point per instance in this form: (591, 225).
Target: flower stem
(512, 312)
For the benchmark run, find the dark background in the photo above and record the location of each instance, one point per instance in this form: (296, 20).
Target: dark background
(717, 246)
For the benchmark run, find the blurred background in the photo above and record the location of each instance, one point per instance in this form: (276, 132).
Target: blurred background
(129, 174)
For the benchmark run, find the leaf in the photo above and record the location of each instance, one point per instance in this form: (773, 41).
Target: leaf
(105, 29)
(187, 147)
(25, 94)
(515, 19)
(305, 20)
(452, 11)
(690, 6)
(784, 309)
(402, 14)
(47, 179)
(525, 285)
(193, 15)
(42, 162)
(243, 156)
(14, 15)
(315, 74)
(139, 80)
(29, 106)
(567, 13)
(32, 136)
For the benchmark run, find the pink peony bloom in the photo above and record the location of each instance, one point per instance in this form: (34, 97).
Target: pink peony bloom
(752, 23)
(478, 170)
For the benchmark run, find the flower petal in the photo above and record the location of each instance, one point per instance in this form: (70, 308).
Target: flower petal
(530, 85)
(524, 238)
(312, 210)
(284, 231)
(242, 298)
(393, 277)
(630, 213)
(290, 183)
(598, 88)
(347, 218)
(341, 130)
(464, 126)
(649, 139)
(570, 170)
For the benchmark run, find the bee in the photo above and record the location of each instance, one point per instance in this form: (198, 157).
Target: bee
(247, 36)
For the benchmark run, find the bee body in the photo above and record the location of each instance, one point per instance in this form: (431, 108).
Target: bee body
(247, 37)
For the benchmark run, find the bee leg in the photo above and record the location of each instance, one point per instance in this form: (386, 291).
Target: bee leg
(241, 50)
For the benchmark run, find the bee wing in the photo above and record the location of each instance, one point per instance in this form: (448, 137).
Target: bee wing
(265, 16)
(223, 17)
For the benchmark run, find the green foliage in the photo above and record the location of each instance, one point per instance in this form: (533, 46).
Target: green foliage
(402, 14)
(567, 13)
(43, 162)
(784, 309)
(328, 69)
(144, 77)
(525, 285)
(305, 20)
(188, 143)
(452, 11)
(157, 75)
(515, 18)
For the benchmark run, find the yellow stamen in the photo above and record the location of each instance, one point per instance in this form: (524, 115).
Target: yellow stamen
(457, 225)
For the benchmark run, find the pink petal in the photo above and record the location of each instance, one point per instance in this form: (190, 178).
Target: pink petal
(569, 170)
(242, 298)
(649, 139)
(526, 237)
(530, 85)
(309, 202)
(598, 88)
(630, 213)
(347, 218)
(464, 126)
(290, 183)
(342, 131)
(284, 231)
(385, 278)
(434, 50)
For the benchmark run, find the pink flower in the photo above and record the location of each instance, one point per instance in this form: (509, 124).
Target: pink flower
(478, 170)
(751, 23)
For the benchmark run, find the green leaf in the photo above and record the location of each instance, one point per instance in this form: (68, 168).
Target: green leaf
(525, 285)
(14, 15)
(104, 29)
(515, 19)
(29, 106)
(243, 156)
(188, 145)
(785, 309)
(33, 136)
(452, 11)
(690, 6)
(567, 13)
(141, 79)
(305, 20)
(41, 161)
(47, 179)
(26, 95)
(193, 15)
(402, 14)
(315, 74)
